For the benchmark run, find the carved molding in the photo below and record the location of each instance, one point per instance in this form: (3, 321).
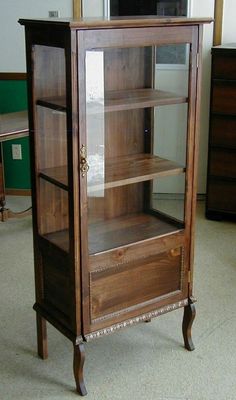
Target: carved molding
(136, 320)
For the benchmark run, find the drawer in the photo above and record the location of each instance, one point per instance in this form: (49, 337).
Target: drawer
(120, 288)
(223, 97)
(223, 131)
(222, 163)
(221, 195)
(223, 67)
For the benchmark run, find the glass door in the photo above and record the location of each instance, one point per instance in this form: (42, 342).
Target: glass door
(135, 164)
(136, 148)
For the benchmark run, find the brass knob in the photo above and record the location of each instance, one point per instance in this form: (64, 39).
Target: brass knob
(84, 167)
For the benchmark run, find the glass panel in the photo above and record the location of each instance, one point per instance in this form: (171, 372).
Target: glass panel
(169, 196)
(136, 146)
(52, 145)
(51, 142)
(53, 218)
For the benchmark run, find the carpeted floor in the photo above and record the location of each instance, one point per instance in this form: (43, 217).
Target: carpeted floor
(147, 361)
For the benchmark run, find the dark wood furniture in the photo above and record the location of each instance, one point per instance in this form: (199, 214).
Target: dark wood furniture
(12, 126)
(108, 252)
(221, 182)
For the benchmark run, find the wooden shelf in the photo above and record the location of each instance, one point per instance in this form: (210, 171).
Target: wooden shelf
(55, 103)
(118, 100)
(118, 232)
(56, 175)
(127, 229)
(120, 171)
(135, 168)
(59, 238)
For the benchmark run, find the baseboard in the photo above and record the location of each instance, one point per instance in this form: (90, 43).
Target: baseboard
(18, 192)
(12, 76)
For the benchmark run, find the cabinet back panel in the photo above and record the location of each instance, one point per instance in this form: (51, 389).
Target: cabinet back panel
(49, 73)
(124, 130)
(116, 202)
(119, 288)
(51, 138)
(53, 208)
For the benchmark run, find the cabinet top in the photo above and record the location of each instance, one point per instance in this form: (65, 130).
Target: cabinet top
(114, 22)
(224, 48)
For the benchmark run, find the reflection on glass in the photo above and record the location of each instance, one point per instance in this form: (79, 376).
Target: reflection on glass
(95, 118)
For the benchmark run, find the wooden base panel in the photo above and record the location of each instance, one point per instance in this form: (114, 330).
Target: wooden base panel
(133, 321)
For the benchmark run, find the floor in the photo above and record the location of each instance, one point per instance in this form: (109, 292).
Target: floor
(147, 361)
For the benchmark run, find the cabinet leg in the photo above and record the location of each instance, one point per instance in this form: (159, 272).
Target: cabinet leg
(79, 357)
(189, 315)
(42, 337)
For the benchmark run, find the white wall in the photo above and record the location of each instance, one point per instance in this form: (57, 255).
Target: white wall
(92, 8)
(12, 43)
(229, 26)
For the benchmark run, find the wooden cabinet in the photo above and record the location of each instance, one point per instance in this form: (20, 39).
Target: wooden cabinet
(221, 185)
(113, 183)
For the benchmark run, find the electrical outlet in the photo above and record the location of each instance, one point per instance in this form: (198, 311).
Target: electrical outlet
(53, 14)
(16, 152)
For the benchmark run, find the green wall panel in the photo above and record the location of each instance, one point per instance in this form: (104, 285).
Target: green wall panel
(17, 172)
(13, 97)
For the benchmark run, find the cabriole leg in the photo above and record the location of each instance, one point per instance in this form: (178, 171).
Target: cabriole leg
(79, 357)
(42, 337)
(189, 315)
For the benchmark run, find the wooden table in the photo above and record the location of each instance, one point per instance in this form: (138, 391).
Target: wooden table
(12, 125)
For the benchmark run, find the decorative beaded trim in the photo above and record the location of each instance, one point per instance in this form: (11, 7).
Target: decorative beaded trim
(136, 320)
(182, 268)
(78, 340)
(117, 265)
(129, 260)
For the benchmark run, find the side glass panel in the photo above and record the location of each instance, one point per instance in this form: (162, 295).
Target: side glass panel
(136, 121)
(51, 143)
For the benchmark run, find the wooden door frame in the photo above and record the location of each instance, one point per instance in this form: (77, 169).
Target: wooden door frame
(77, 8)
(218, 16)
